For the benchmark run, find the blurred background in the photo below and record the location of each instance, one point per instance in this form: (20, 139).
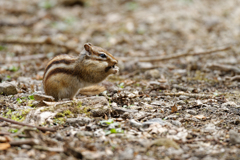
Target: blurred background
(32, 32)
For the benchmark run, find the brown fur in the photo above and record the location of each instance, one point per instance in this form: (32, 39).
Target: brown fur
(92, 90)
(65, 75)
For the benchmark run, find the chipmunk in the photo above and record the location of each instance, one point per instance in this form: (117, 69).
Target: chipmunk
(64, 75)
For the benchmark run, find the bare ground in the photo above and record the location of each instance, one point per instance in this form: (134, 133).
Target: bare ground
(176, 96)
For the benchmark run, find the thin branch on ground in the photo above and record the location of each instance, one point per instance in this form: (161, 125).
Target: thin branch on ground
(187, 94)
(23, 124)
(164, 58)
(50, 149)
(38, 41)
(235, 78)
(24, 141)
(225, 68)
(27, 58)
(26, 23)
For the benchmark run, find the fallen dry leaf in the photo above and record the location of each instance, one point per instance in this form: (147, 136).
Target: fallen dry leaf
(4, 146)
(201, 117)
(174, 109)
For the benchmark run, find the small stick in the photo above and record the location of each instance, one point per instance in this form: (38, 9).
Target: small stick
(187, 94)
(26, 23)
(23, 124)
(225, 68)
(43, 148)
(44, 40)
(235, 78)
(164, 58)
(24, 141)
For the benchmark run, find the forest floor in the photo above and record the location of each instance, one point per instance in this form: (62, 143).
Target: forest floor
(176, 95)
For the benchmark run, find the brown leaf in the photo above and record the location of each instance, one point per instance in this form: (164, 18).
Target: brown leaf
(201, 117)
(174, 109)
(4, 146)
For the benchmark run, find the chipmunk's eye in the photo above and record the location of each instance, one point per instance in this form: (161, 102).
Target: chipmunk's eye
(103, 55)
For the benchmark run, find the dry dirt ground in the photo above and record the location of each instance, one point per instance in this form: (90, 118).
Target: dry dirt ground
(176, 96)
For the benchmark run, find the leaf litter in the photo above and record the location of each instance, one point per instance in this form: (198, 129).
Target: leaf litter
(176, 96)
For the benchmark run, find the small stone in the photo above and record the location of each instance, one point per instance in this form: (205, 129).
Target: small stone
(7, 88)
(144, 65)
(182, 97)
(193, 112)
(95, 100)
(180, 102)
(172, 132)
(177, 123)
(229, 104)
(80, 121)
(154, 73)
(26, 80)
(133, 123)
(155, 120)
(165, 142)
(99, 112)
(148, 99)
(210, 128)
(234, 137)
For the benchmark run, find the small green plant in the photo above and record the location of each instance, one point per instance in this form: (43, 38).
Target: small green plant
(9, 77)
(121, 85)
(106, 122)
(13, 68)
(19, 100)
(114, 130)
(2, 48)
(13, 130)
(46, 4)
(113, 127)
(132, 5)
(31, 97)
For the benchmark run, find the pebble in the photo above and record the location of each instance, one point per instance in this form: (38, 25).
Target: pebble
(177, 123)
(148, 99)
(135, 124)
(154, 73)
(182, 97)
(193, 112)
(80, 121)
(7, 88)
(234, 137)
(155, 120)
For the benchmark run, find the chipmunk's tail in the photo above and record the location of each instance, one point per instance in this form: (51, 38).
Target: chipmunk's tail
(92, 90)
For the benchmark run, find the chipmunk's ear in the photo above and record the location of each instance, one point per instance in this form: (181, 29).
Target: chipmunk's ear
(88, 48)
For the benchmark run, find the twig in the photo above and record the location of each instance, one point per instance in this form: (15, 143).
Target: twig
(24, 141)
(28, 22)
(235, 78)
(4, 133)
(164, 58)
(225, 68)
(27, 58)
(41, 41)
(187, 94)
(23, 124)
(43, 148)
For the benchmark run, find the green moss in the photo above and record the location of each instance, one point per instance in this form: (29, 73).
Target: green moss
(64, 113)
(50, 109)
(17, 115)
(79, 109)
(60, 120)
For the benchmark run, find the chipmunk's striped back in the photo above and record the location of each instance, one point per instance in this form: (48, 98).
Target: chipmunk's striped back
(60, 64)
(65, 75)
